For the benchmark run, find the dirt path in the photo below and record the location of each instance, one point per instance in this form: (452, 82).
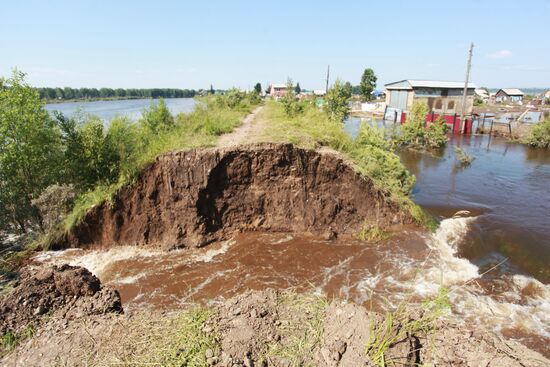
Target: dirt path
(250, 128)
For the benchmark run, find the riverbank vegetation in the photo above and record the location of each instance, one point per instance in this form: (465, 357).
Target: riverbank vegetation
(370, 153)
(540, 135)
(39, 151)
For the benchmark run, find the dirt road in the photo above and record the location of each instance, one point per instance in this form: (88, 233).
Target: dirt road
(245, 133)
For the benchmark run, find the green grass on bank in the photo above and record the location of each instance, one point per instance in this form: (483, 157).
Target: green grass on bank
(212, 117)
(370, 153)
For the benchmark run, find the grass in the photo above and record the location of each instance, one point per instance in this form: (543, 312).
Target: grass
(170, 340)
(10, 340)
(370, 153)
(372, 233)
(463, 158)
(400, 325)
(300, 339)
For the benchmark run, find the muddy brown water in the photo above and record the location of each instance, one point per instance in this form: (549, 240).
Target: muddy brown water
(506, 190)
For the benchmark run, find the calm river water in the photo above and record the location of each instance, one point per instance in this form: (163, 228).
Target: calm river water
(131, 108)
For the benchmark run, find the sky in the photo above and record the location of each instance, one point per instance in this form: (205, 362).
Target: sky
(193, 44)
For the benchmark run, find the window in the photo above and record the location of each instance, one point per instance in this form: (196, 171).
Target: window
(438, 104)
(451, 105)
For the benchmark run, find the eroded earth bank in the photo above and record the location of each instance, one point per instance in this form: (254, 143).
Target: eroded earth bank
(248, 256)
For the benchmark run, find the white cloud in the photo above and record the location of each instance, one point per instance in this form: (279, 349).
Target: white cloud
(500, 54)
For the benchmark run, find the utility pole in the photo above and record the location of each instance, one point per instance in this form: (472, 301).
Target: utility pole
(328, 73)
(465, 93)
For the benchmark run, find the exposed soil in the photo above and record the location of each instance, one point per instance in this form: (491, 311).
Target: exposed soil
(191, 198)
(68, 291)
(267, 328)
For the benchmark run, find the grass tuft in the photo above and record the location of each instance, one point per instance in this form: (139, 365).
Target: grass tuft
(401, 325)
(300, 338)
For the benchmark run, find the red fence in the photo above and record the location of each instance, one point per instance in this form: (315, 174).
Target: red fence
(452, 120)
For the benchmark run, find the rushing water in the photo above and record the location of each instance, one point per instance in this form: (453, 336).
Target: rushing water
(506, 190)
(131, 108)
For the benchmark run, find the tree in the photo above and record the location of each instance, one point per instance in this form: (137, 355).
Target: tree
(368, 83)
(337, 101)
(157, 117)
(291, 106)
(30, 151)
(297, 89)
(212, 89)
(258, 88)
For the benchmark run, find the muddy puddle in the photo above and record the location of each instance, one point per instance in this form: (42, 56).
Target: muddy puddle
(409, 267)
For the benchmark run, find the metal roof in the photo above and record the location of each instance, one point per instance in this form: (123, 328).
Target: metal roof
(512, 91)
(414, 83)
(278, 85)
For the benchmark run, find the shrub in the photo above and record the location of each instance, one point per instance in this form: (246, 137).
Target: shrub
(54, 203)
(540, 135)
(462, 157)
(415, 134)
(291, 106)
(157, 117)
(337, 101)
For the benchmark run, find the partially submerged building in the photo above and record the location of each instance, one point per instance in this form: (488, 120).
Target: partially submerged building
(442, 97)
(509, 95)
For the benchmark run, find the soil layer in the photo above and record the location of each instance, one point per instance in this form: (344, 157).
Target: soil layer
(191, 198)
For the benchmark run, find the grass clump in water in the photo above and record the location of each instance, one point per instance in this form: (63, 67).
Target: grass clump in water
(464, 159)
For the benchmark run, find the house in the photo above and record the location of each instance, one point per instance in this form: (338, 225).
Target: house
(277, 90)
(546, 95)
(442, 97)
(509, 95)
(482, 94)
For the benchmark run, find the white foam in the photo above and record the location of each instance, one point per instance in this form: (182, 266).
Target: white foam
(96, 261)
(209, 255)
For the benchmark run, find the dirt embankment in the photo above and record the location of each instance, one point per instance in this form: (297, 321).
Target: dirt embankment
(190, 198)
(67, 292)
(268, 328)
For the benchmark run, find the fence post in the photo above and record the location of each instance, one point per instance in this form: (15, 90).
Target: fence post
(454, 123)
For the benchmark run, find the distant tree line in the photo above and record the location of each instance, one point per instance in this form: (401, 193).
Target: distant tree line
(93, 93)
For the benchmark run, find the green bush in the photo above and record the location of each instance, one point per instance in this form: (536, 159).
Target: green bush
(337, 101)
(540, 135)
(415, 134)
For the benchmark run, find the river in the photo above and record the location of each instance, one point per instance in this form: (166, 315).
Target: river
(494, 260)
(131, 108)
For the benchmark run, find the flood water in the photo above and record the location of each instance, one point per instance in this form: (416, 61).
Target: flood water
(131, 108)
(506, 189)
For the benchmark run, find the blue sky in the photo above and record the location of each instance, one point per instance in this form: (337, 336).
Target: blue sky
(237, 43)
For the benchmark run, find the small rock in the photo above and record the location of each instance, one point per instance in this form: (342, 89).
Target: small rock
(207, 329)
(236, 311)
(40, 310)
(209, 353)
(263, 313)
(248, 362)
(253, 313)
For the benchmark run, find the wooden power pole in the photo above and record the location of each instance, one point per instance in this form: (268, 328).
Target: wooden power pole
(465, 92)
(328, 73)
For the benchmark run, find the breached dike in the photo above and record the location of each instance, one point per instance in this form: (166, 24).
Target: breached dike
(190, 198)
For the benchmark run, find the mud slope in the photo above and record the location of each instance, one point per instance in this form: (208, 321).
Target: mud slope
(189, 198)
